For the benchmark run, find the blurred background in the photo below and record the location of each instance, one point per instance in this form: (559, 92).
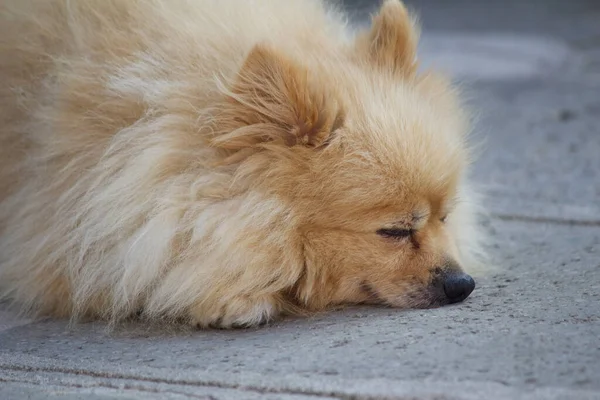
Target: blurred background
(530, 71)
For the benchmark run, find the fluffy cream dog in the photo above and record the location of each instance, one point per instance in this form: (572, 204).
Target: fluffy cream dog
(223, 162)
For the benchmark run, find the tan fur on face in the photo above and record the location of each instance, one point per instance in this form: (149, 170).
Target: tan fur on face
(222, 162)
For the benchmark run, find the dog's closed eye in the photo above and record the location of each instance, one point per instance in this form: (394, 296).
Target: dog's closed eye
(396, 233)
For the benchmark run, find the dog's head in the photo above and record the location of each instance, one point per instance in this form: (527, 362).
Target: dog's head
(370, 156)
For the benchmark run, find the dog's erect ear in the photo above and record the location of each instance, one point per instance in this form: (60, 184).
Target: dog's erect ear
(275, 100)
(391, 42)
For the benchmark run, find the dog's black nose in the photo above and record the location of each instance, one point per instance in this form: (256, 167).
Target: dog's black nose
(458, 286)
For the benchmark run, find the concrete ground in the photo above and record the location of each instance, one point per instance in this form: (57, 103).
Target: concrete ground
(531, 330)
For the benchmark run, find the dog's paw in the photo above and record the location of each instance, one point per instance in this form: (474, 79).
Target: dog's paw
(236, 313)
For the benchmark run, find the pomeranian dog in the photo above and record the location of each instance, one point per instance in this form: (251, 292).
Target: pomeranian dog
(226, 162)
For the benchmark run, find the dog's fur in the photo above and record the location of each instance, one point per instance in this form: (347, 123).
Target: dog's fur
(222, 162)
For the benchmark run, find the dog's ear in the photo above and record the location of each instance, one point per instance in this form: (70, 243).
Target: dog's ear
(275, 101)
(391, 42)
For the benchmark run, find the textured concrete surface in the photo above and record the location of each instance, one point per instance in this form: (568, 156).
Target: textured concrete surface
(531, 330)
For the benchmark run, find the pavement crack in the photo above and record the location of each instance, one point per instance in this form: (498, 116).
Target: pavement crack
(545, 220)
(183, 382)
(106, 385)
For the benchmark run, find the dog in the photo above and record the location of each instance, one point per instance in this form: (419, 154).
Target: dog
(223, 163)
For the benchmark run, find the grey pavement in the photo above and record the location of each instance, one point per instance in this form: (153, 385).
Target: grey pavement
(531, 329)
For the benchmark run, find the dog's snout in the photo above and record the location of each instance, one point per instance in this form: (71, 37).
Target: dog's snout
(458, 286)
